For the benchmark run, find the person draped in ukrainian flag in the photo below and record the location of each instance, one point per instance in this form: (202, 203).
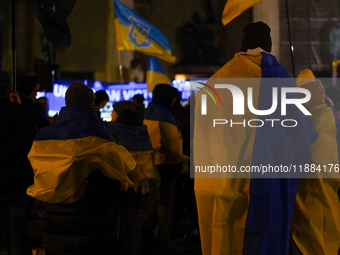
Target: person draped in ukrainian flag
(315, 224)
(78, 171)
(128, 130)
(166, 140)
(247, 213)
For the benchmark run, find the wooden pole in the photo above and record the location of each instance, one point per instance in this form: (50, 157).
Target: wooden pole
(120, 67)
(290, 40)
(14, 61)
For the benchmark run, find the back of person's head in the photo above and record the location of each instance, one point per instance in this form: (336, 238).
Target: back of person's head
(78, 94)
(5, 83)
(256, 35)
(306, 75)
(27, 84)
(138, 98)
(164, 94)
(101, 96)
(129, 113)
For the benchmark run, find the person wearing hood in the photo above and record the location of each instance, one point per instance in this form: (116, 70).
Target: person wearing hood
(78, 171)
(128, 130)
(248, 212)
(166, 141)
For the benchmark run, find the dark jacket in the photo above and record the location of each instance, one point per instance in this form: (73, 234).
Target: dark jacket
(86, 226)
(17, 132)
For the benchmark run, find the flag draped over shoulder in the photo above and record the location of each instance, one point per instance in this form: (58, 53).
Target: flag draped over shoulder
(135, 33)
(52, 16)
(249, 214)
(137, 141)
(155, 74)
(233, 8)
(67, 152)
(315, 224)
(165, 138)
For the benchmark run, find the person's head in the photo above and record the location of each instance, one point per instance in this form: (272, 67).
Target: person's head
(101, 99)
(164, 94)
(256, 35)
(80, 95)
(139, 99)
(5, 83)
(128, 113)
(28, 86)
(306, 75)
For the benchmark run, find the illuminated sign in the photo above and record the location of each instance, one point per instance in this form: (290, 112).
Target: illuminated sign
(116, 93)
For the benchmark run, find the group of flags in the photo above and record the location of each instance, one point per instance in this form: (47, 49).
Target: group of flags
(132, 31)
(135, 33)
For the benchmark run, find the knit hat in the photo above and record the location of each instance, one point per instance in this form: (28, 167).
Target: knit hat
(256, 35)
(306, 75)
(5, 83)
(26, 84)
(129, 113)
(122, 106)
(78, 94)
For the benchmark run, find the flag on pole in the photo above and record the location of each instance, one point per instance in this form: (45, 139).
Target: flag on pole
(52, 16)
(135, 33)
(155, 74)
(233, 8)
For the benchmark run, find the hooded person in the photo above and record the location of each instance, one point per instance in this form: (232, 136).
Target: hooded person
(244, 206)
(315, 224)
(166, 140)
(78, 171)
(128, 130)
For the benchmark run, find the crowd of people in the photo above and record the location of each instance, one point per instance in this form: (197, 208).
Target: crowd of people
(103, 187)
(118, 187)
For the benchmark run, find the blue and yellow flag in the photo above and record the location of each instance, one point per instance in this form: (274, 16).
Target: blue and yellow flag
(316, 223)
(64, 154)
(155, 74)
(166, 139)
(135, 33)
(137, 141)
(248, 215)
(233, 8)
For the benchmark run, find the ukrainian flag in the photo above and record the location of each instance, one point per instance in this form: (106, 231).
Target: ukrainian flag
(316, 223)
(248, 215)
(155, 74)
(137, 141)
(67, 152)
(234, 8)
(166, 139)
(135, 33)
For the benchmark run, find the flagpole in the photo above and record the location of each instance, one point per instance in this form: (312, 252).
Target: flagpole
(120, 67)
(290, 40)
(14, 62)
